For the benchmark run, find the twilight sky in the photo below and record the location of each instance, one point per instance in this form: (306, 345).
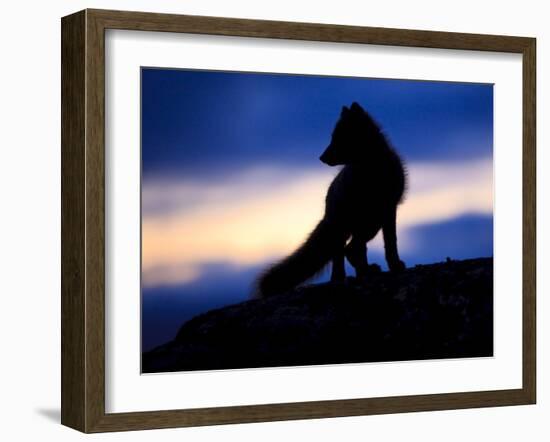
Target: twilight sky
(232, 181)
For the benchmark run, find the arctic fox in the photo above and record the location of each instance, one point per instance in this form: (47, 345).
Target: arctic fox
(361, 200)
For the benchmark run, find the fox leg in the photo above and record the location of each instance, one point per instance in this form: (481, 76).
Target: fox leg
(390, 242)
(338, 268)
(356, 253)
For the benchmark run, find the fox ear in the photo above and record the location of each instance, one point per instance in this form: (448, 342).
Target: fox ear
(355, 107)
(345, 111)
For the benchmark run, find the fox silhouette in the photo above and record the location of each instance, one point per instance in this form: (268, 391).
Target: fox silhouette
(361, 200)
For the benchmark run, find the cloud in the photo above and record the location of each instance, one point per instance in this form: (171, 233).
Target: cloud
(264, 213)
(441, 191)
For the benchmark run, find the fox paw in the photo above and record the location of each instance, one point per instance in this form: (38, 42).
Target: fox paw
(365, 272)
(338, 278)
(397, 266)
(373, 268)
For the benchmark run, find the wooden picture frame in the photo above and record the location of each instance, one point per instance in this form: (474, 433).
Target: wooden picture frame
(83, 220)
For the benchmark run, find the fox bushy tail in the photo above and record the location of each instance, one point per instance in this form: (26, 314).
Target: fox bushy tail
(308, 260)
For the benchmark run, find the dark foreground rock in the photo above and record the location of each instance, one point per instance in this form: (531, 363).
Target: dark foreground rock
(433, 311)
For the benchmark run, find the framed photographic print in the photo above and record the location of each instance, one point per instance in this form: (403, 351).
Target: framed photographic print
(270, 220)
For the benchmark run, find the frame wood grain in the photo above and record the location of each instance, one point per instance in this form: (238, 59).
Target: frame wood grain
(83, 219)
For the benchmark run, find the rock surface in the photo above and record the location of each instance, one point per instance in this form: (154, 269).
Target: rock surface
(435, 311)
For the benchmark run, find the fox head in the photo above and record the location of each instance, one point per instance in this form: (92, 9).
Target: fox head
(356, 138)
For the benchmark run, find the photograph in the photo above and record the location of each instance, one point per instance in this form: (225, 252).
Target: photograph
(295, 220)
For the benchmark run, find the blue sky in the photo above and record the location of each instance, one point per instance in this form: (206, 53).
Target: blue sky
(232, 180)
(196, 120)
